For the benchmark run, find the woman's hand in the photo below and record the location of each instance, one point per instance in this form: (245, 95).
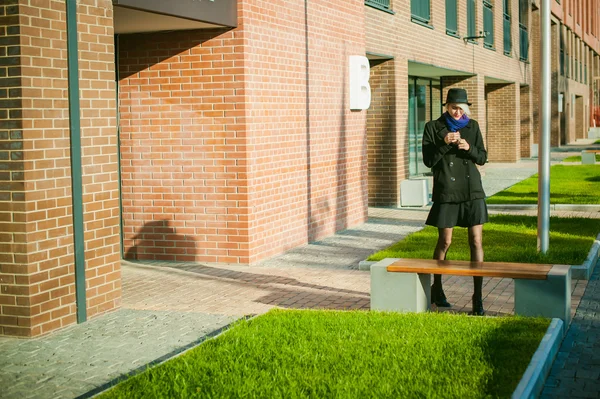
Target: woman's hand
(452, 138)
(463, 145)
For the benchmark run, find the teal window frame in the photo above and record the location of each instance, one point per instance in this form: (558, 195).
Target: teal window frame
(452, 17)
(488, 24)
(562, 51)
(420, 11)
(523, 33)
(506, 27)
(383, 5)
(471, 18)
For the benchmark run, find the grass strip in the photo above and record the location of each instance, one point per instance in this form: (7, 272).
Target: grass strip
(569, 184)
(577, 158)
(349, 354)
(506, 238)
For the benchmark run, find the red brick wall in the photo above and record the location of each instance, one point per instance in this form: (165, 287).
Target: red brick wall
(240, 145)
(14, 314)
(526, 122)
(381, 136)
(38, 282)
(183, 143)
(309, 170)
(503, 123)
(100, 161)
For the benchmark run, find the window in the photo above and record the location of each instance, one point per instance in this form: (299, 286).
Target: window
(424, 104)
(523, 34)
(419, 10)
(506, 28)
(562, 52)
(488, 24)
(471, 22)
(381, 4)
(451, 18)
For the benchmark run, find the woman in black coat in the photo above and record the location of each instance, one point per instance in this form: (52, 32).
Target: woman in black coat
(452, 148)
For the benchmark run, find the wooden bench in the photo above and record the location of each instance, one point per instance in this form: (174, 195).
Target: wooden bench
(404, 285)
(588, 157)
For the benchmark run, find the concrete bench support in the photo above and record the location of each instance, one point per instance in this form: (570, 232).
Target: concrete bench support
(588, 157)
(546, 298)
(398, 292)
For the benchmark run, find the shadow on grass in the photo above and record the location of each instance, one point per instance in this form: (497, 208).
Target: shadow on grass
(508, 345)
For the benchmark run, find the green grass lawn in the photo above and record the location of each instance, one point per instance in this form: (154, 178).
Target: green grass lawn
(349, 354)
(506, 238)
(569, 184)
(577, 158)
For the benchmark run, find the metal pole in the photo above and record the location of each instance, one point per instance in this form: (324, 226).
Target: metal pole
(544, 158)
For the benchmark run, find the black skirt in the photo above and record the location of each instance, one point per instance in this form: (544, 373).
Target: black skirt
(462, 214)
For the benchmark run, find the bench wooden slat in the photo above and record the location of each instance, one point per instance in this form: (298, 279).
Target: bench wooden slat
(532, 271)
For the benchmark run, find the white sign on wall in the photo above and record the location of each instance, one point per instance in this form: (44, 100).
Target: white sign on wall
(360, 90)
(560, 102)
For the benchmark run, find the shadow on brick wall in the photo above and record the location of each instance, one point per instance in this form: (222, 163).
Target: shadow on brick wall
(156, 240)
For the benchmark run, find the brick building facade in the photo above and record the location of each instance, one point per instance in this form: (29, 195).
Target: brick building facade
(221, 131)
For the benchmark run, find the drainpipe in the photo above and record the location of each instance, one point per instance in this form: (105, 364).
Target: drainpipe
(76, 174)
(118, 79)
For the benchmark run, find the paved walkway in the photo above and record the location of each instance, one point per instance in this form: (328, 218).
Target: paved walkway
(576, 370)
(170, 307)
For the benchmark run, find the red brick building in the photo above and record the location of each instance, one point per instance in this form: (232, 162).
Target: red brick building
(221, 130)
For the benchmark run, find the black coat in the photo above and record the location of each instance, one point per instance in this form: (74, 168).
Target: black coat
(456, 177)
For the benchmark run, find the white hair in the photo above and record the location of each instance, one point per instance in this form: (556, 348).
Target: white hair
(463, 106)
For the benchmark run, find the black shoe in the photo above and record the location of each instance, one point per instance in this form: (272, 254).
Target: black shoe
(438, 297)
(478, 307)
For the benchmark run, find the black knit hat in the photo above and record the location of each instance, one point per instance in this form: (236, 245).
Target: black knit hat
(457, 96)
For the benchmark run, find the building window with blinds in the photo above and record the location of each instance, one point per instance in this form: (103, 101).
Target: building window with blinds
(451, 18)
(380, 4)
(506, 27)
(488, 24)
(523, 34)
(420, 11)
(471, 20)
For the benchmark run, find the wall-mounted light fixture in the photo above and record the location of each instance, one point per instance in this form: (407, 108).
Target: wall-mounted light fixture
(482, 35)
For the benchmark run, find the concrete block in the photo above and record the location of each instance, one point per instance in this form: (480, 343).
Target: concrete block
(594, 133)
(588, 158)
(414, 192)
(546, 298)
(398, 292)
(534, 151)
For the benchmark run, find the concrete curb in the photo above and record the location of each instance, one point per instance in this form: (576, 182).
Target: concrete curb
(365, 264)
(522, 207)
(553, 207)
(585, 270)
(533, 379)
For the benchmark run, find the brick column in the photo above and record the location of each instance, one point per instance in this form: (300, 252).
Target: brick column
(504, 122)
(37, 269)
(381, 137)
(13, 244)
(526, 121)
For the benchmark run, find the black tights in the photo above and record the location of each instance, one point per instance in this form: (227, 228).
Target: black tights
(475, 245)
